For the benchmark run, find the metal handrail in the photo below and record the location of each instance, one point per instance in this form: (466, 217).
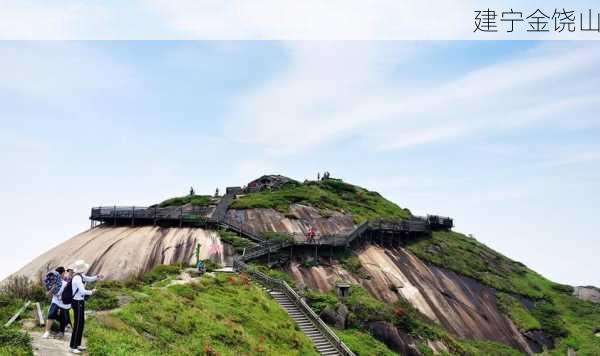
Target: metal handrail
(283, 287)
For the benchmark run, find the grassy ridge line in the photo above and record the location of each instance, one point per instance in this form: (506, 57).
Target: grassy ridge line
(555, 310)
(196, 200)
(328, 195)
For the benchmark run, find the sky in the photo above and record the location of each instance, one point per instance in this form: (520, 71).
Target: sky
(502, 136)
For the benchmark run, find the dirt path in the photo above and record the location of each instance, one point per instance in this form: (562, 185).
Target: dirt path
(50, 346)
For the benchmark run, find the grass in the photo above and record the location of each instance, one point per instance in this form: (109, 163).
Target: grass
(512, 307)
(353, 264)
(238, 243)
(103, 299)
(363, 343)
(12, 340)
(328, 195)
(273, 273)
(196, 200)
(363, 308)
(222, 315)
(555, 311)
(467, 256)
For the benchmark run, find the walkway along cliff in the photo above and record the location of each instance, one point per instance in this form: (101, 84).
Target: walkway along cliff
(465, 299)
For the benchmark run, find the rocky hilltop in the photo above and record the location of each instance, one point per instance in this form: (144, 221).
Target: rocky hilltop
(437, 292)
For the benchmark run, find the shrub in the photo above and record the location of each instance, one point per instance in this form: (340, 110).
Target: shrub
(10, 337)
(319, 301)
(197, 200)
(238, 243)
(20, 287)
(161, 272)
(517, 312)
(354, 265)
(210, 265)
(550, 319)
(103, 300)
(364, 308)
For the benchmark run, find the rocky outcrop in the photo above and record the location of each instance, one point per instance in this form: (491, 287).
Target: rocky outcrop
(589, 293)
(297, 222)
(336, 317)
(462, 305)
(119, 252)
(268, 182)
(395, 340)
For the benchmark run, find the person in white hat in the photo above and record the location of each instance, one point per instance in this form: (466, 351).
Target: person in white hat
(79, 295)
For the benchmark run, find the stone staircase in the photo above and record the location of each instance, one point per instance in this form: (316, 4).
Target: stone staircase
(322, 344)
(325, 340)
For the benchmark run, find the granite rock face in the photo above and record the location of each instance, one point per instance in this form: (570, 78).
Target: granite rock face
(462, 305)
(297, 222)
(589, 293)
(118, 252)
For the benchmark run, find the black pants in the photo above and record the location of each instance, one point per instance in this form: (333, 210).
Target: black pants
(64, 318)
(79, 311)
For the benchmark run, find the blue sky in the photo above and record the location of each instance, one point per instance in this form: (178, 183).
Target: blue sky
(503, 136)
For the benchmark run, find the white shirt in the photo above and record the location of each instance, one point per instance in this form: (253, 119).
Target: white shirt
(57, 298)
(78, 285)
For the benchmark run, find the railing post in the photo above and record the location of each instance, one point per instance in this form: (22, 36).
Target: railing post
(180, 216)
(115, 215)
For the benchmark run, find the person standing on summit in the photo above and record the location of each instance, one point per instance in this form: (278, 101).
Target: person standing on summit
(80, 294)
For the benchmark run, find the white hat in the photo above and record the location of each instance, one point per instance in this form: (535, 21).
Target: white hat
(80, 266)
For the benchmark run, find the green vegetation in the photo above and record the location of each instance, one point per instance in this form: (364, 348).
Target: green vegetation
(15, 291)
(319, 301)
(104, 299)
(277, 236)
(363, 308)
(273, 273)
(238, 243)
(471, 258)
(161, 272)
(555, 311)
(222, 315)
(510, 306)
(353, 264)
(328, 195)
(196, 200)
(485, 348)
(14, 342)
(362, 343)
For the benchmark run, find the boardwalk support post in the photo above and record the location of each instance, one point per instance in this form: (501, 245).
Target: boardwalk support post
(155, 215)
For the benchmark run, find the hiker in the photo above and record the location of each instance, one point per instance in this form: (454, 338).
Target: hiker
(311, 234)
(80, 294)
(55, 284)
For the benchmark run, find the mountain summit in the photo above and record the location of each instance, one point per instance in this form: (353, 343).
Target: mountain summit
(386, 281)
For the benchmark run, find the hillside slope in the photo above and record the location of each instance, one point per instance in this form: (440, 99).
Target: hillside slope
(443, 292)
(119, 252)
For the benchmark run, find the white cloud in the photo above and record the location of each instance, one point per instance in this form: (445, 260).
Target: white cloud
(332, 91)
(59, 69)
(573, 158)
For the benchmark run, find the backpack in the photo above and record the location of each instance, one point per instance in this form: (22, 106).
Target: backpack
(67, 294)
(52, 283)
